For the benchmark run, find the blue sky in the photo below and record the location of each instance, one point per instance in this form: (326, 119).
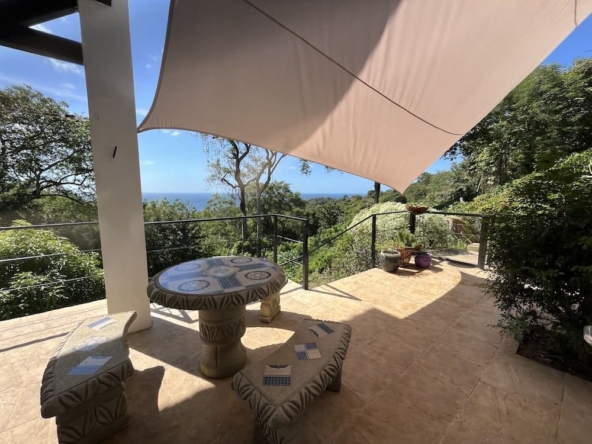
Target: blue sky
(173, 161)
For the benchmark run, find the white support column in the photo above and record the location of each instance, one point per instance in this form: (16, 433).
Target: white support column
(107, 57)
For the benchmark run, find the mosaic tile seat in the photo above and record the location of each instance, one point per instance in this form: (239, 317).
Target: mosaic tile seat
(83, 382)
(278, 408)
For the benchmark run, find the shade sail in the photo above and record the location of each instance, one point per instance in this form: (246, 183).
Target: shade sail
(377, 88)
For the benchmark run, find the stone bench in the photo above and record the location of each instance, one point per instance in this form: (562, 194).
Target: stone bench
(278, 409)
(89, 407)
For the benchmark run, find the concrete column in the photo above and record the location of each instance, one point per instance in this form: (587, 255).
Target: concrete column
(107, 57)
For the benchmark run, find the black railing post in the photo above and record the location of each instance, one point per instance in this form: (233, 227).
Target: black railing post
(483, 241)
(373, 246)
(305, 255)
(258, 249)
(275, 242)
(412, 220)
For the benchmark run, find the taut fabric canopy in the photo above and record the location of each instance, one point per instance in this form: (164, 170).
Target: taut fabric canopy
(377, 88)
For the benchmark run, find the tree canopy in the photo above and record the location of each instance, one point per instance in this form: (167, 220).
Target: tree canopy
(44, 150)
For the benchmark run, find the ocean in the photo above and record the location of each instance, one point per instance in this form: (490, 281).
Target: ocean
(200, 200)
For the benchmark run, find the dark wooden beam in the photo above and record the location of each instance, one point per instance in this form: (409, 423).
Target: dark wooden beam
(41, 43)
(33, 12)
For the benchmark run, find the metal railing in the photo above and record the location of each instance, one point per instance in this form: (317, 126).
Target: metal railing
(303, 259)
(276, 238)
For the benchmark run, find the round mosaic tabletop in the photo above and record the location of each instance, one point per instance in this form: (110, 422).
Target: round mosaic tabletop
(216, 283)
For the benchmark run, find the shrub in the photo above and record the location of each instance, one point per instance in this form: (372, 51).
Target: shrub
(65, 276)
(167, 243)
(540, 254)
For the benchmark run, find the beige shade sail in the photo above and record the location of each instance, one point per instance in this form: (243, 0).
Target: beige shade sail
(377, 88)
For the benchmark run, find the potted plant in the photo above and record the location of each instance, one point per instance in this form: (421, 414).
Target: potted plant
(389, 258)
(407, 244)
(423, 259)
(416, 209)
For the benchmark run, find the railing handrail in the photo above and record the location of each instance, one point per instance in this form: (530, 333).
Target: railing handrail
(304, 257)
(157, 222)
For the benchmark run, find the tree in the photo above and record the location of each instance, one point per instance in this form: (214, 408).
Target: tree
(237, 165)
(44, 150)
(278, 198)
(170, 244)
(376, 192)
(222, 236)
(540, 254)
(543, 120)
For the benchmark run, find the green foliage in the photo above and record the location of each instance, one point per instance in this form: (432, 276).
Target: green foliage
(493, 202)
(78, 276)
(172, 237)
(540, 253)
(44, 151)
(433, 190)
(58, 209)
(400, 239)
(543, 120)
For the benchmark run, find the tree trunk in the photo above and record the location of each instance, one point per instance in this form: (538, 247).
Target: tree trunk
(243, 209)
(258, 192)
(376, 192)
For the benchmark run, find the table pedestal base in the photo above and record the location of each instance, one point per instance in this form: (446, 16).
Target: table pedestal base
(221, 332)
(270, 307)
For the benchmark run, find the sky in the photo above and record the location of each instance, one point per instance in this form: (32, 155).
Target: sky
(174, 161)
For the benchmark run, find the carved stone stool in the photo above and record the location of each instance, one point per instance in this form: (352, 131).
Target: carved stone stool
(82, 388)
(270, 307)
(278, 409)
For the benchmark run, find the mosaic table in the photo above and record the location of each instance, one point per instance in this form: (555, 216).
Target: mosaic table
(220, 288)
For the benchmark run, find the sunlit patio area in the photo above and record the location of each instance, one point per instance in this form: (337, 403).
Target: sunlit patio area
(424, 366)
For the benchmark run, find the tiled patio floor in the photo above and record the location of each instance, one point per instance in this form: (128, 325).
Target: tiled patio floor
(423, 367)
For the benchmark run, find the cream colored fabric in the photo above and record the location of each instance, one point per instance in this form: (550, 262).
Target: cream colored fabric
(377, 88)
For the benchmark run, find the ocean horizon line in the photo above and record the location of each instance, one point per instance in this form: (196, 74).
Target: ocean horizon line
(199, 200)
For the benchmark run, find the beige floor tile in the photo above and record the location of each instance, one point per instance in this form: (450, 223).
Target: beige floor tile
(334, 409)
(524, 424)
(387, 421)
(388, 349)
(414, 334)
(452, 368)
(420, 294)
(352, 434)
(491, 415)
(8, 401)
(529, 381)
(420, 342)
(479, 415)
(363, 373)
(38, 431)
(462, 296)
(383, 313)
(459, 434)
(400, 306)
(10, 378)
(26, 405)
(325, 312)
(291, 304)
(468, 347)
(309, 299)
(263, 337)
(575, 423)
(437, 316)
(478, 328)
(417, 387)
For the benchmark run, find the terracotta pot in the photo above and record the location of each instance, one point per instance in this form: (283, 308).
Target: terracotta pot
(390, 260)
(406, 254)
